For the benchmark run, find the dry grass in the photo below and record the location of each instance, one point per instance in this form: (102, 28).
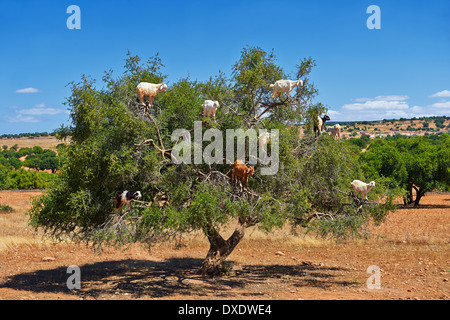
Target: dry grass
(44, 142)
(12, 243)
(14, 228)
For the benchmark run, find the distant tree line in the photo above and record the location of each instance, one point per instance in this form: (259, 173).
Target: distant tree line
(27, 135)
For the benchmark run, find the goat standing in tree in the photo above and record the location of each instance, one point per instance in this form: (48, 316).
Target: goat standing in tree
(240, 170)
(150, 90)
(364, 188)
(285, 86)
(320, 125)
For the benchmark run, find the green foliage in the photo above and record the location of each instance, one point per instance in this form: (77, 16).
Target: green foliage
(36, 158)
(329, 168)
(27, 179)
(13, 176)
(3, 176)
(420, 163)
(323, 202)
(6, 208)
(361, 143)
(253, 74)
(184, 95)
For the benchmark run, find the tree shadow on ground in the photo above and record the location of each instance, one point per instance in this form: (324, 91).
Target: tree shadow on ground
(173, 277)
(298, 275)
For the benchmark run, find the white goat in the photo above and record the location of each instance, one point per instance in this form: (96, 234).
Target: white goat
(364, 188)
(285, 86)
(335, 131)
(210, 107)
(264, 138)
(150, 90)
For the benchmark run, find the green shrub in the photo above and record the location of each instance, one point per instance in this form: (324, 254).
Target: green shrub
(5, 208)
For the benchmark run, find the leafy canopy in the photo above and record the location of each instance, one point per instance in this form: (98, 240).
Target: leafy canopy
(421, 163)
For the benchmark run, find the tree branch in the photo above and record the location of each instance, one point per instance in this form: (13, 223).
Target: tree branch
(270, 106)
(244, 117)
(156, 127)
(164, 152)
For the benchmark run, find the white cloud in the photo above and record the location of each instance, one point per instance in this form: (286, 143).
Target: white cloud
(333, 113)
(393, 98)
(27, 90)
(387, 107)
(441, 105)
(383, 98)
(21, 118)
(441, 94)
(417, 110)
(376, 105)
(40, 111)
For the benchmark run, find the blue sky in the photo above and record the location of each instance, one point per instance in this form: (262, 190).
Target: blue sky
(400, 70)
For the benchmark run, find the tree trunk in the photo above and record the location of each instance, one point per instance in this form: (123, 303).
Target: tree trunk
(219, 249)
(419, 194)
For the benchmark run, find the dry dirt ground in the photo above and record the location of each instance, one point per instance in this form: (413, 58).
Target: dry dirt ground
(25, 142)
(412, 250)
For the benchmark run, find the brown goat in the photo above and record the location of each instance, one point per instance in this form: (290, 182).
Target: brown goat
(240, 170)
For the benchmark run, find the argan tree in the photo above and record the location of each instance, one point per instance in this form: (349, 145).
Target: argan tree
(116, 144)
